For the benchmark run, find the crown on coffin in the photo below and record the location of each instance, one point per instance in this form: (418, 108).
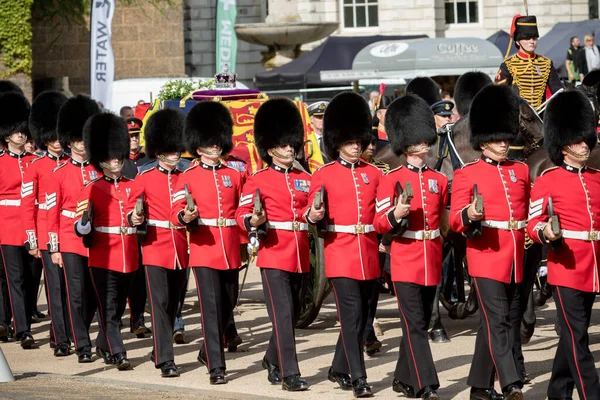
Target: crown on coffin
(225, 79)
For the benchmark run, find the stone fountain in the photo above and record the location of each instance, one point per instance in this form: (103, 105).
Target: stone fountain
(283, 33)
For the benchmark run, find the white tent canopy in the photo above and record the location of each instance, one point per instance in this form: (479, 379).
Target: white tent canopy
(408, 59)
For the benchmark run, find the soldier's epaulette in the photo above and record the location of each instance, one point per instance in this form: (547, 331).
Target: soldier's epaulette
(36, 159)
(394, 170)
(547, 170)
(92, 181)
(469, 163)
(192, 167)
(59, 166)
(325, 165)
(438, 172)
(147, 170)
(260, 170)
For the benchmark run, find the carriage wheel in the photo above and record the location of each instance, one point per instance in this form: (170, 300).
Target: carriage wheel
(317, 287)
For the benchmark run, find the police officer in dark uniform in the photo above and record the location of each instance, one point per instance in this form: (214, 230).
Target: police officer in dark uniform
(316, 112)
(137, 157)
(442, 111)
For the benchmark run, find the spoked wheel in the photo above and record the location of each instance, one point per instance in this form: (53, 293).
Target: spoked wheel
(317, 287)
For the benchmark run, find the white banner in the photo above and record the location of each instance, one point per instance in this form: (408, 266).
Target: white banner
(102, 61)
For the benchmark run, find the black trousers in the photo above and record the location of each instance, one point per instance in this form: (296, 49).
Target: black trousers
(5, 311)
(215, 310)
(164, 290)
(415, 365)
(18, 276)
(369, 334)
(352, 299)
(56, 293)
(573, 363)
(499, 327)
(111, 291)
(81, 298)
(282, 291)
(37, 268)
(233, 291)
(136, 298)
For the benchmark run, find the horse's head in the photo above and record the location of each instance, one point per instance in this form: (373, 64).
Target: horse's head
(590, 87)
(531, 128)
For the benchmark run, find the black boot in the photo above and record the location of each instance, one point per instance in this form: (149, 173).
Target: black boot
(84, 354)
(217, 376)
(169, 370)
(105, 355)
(341, 379)
(122, 362)
(485, 394)
(513, 392)
(62, 350)
(26, 340)
(294, 383)
(406, 390)
(428, 393)
(361, 388)
(273, 371)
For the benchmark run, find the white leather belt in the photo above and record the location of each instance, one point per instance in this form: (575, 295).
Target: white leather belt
(68, 214)
(10, 203)
(289, 226)
(163, 224)
(581, 235)
(353, 229)
(505, 225)
(421, 235)
(42, 206)
(218, 222)
(116, 230)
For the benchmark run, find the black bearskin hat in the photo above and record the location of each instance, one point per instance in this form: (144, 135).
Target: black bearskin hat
(43, 116)
(72, 117)
(409, 121)
(426, 88)
(8, 86)
(14, 114)
(208, 123)
(561, 129)
(467, 86)
(346, 119)
(524, 27)
(105, 137)
(278, 123)
(494, 115)
(164, 132)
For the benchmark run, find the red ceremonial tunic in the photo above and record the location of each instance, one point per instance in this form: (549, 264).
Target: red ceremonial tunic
(413, 260)
(165, 245)
(216, 191)
(575, 195)
(498, 253)
(66, 184)
(13, 167)
(350, 191)
(111, 203)
(36, 199)
(240, 165)
(284, 196)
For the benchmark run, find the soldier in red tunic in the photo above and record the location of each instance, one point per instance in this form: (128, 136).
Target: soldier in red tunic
(113, 256)
(416, 253)
(283, 254)
(351, 246)
(495, 256)
(64, 246)
(35, 202)
(164, 248)
(573, 270)
(214, 236)
(13, 165)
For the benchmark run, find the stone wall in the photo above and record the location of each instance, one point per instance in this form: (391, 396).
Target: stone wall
(147, 42)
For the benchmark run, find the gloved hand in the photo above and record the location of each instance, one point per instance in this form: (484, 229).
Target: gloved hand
(543, 271)
(84, 229)
(253, 244)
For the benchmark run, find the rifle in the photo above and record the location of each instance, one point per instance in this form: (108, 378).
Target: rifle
(319, 196)
(404, 197)
(88, 216)
(554, 225)
(258, 209)
(190, 205)
(142, 229)
(474, 230)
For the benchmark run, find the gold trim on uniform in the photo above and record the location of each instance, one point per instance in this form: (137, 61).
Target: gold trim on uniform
(530, 75)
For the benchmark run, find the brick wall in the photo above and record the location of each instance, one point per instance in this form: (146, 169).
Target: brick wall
(147, 42)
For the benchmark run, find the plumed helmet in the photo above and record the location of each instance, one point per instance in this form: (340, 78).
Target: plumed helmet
(208, 123)
(278, 123)
(14, 114)
(494, 115)
(8, 86)
(425, 88)
(44, 115)
(561, 129)
(164, 132)
(72, 117)
(467, 86)
(346, 119)
(409, 121)
(524, 27)
(105, 138)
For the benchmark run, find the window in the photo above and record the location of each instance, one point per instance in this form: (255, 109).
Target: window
(462, 12)
(360, 13)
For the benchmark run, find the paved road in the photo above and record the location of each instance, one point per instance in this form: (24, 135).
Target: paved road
(248, 380)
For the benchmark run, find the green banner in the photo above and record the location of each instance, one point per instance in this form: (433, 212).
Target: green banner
(225, 34)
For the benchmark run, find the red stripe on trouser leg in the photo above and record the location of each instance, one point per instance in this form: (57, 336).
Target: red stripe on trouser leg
(562, 309)
(341, 330)
(64, 268)
(274, 323)
(487, 322)
(412, 353)
(9, 294)
(155, 349)
(202, 317)
(101, 313)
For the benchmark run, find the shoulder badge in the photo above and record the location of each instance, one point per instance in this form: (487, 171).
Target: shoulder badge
(470, 163)
(59, 166)
(326, 165)
(38, 158)
(260, 170)
(146, 170)
(393, 170)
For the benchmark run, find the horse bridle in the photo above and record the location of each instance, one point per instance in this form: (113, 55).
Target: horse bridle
(531, 141)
